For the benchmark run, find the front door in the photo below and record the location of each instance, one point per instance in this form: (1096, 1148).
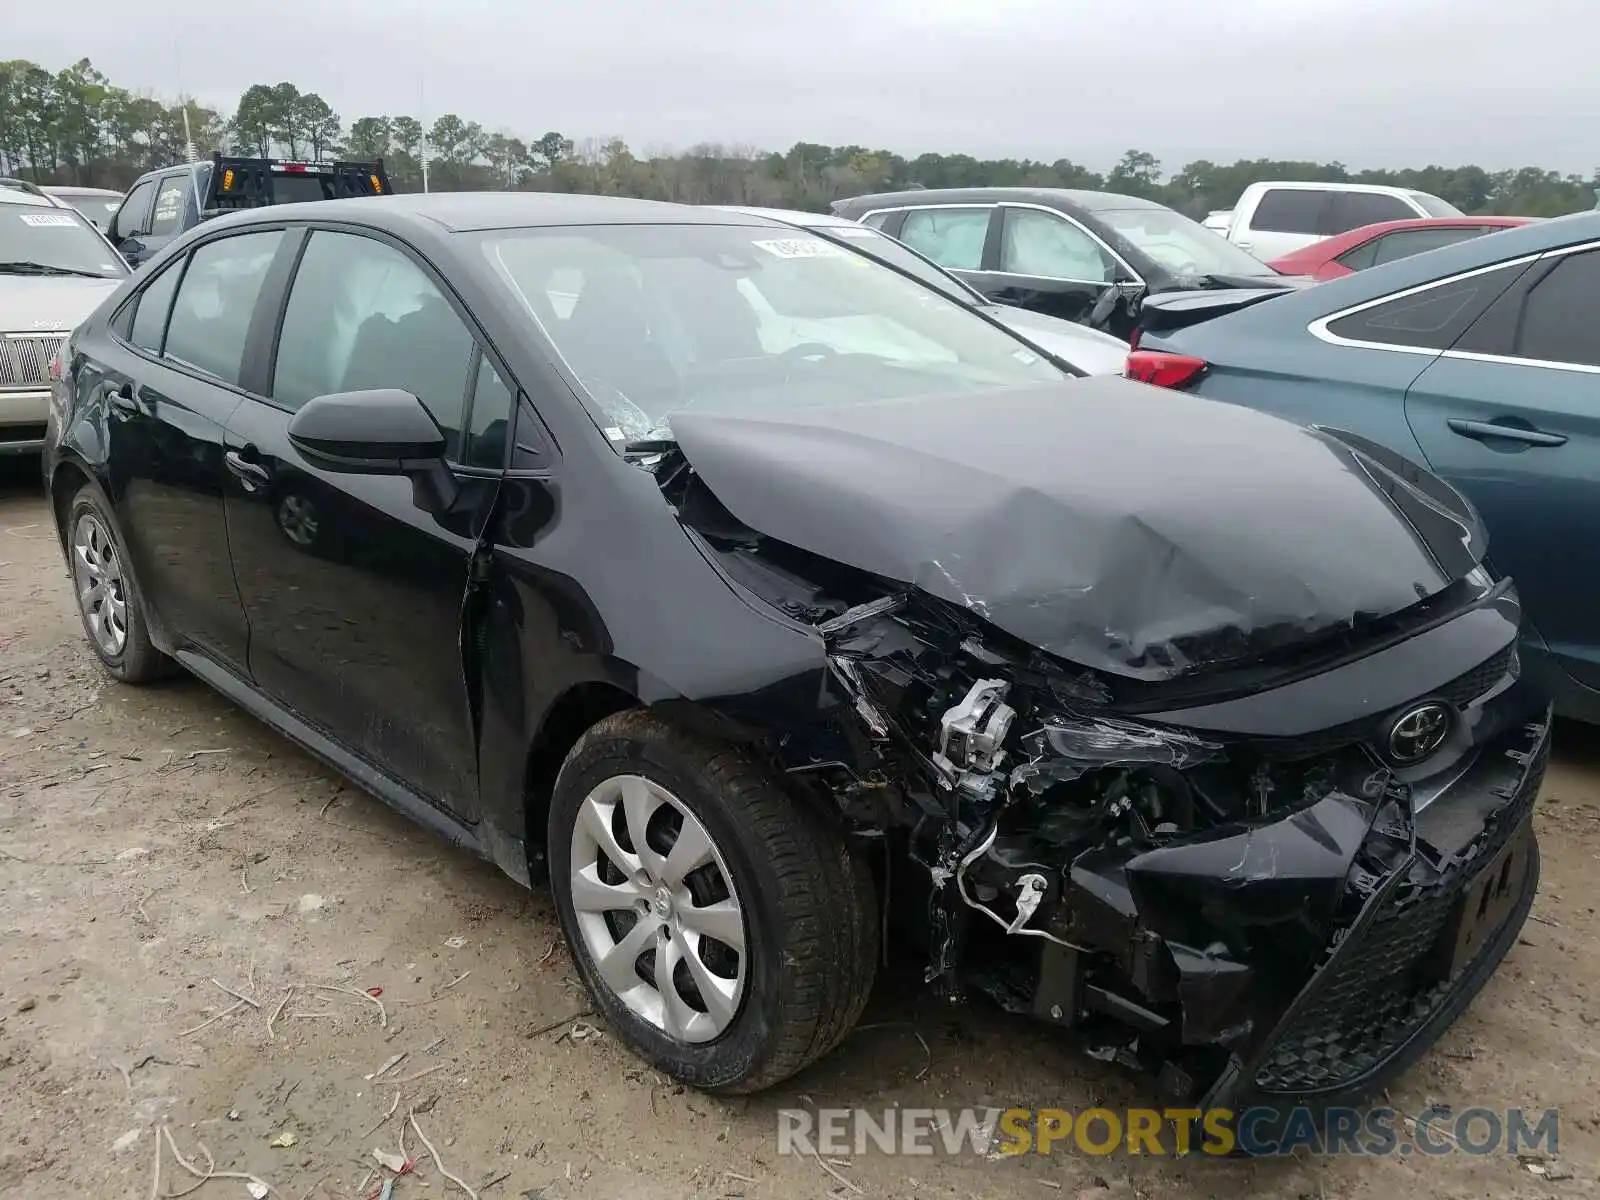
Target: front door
(1511, 416)
(170, 385)
(355, 593)
(1045, 263)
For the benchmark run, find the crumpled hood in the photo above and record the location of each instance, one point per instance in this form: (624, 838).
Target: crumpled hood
(50, 303)
(1131, 529)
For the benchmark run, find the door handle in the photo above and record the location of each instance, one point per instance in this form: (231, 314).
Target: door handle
(1481, 430)
(252, 473)
(122, 401)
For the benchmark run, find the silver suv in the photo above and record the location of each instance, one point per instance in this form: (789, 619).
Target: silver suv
(55, 267)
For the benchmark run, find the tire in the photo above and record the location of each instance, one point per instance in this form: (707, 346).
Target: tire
(807, 911)
(108, 599)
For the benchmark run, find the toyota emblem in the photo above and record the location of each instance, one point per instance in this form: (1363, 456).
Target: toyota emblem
(1419, 732)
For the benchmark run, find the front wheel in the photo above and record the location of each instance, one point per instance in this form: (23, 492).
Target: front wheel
(723, 926)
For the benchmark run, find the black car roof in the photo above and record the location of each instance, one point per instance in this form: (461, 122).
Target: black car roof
(464, 211)
(1051, 197)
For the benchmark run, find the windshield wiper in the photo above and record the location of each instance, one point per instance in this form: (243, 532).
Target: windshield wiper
(39, 268)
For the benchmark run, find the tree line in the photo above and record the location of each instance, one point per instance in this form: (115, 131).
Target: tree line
(75, 126)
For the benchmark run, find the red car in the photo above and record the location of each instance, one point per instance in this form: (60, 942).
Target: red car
(1384, 242)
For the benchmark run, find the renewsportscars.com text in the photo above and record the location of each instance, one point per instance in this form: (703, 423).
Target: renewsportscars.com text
(999, 1132)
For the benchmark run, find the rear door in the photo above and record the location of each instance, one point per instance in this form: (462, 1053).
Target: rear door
(355, 593)
(172, 377)
(1352, 210)
(1284, 220)
(1511, 415)
(956, 236)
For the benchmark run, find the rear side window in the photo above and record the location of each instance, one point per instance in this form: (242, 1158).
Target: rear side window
(1289, 210)
(1351, 210)
(876, 220)
(952, 237)
(362, 315)
(132, 216)
(1406, 242)
(151, 307)
(1558, 319)
(211, 315)
(1428, 320)
(169, 205)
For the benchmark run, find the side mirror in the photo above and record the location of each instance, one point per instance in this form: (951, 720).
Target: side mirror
(381, 432)
(384, 431)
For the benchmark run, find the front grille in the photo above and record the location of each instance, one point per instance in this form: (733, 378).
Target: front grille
(1376, 997)
(25, 358)
(1460, 691)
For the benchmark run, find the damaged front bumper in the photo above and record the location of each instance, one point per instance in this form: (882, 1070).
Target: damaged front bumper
(1303, 959)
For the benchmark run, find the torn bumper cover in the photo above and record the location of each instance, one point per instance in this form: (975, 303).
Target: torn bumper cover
(1204, 732)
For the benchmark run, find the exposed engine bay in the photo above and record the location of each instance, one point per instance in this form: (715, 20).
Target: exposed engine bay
(1176, 866)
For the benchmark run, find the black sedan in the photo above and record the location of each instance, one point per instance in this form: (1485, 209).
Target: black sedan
(1083, 256)
(743, 589)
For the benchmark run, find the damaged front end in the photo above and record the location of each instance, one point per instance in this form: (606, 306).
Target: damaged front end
(1259, 918)
(1271, 871)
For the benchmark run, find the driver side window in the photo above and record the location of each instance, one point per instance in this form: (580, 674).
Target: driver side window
(362, 315)
(1051, 247)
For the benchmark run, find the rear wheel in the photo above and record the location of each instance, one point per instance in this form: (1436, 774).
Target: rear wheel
(722, 926)
(108, 600)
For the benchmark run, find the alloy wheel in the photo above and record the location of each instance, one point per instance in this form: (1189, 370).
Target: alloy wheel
(102, 593)
(657, 909)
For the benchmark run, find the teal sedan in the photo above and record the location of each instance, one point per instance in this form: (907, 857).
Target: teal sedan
(1480, 360)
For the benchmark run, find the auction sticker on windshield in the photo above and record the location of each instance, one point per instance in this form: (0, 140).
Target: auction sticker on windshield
(801, 248)
(48, 219)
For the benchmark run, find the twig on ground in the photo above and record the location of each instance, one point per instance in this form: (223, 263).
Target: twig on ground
(388, 1065)
(277, 1012)
(331, 801)
(455, 981)
(545, 957)
(500, 1178)
(139, 908)
(416, 1075)
(412, 1117)
(194, 754)
(244, 879)
(211, 1172)
(557, 1024)
(232, 1008)
(392, 1108)
(155, 1180)
(236, 995)
(306, 1195)
(316, 1016)
(831, 1171)
(383, 1013)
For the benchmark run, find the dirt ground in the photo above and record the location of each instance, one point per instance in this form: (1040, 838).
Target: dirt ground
(158, 848)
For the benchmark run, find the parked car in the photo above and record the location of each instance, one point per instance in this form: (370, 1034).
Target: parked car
(1081, 256)
(55, 267)
(1278, 217)
(767, 587)
(1387, 241)
(163, 204)
(1479, 360)
(1089, 350)
(98, 204)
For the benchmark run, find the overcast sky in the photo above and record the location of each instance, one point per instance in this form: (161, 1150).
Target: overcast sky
(1369, 82)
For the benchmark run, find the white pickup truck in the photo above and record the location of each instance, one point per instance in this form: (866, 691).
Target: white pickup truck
(1276, 217)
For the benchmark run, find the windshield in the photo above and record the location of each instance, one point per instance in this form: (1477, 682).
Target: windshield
(49, 241)
(1182, 246)
(655, 319)
(1434, 206)
(900, 256)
